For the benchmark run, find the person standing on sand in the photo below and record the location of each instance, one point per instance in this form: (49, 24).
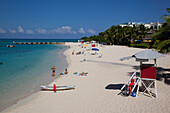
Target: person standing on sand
(53, 70)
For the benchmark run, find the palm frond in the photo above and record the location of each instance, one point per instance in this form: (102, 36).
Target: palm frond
(164, 46)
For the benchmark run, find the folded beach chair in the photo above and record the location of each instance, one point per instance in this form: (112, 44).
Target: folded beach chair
(100, 56)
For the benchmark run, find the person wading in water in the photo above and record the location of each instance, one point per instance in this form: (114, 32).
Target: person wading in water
(53, 70)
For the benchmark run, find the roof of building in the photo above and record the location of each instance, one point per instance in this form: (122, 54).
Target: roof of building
(151, 32)
(148, 37)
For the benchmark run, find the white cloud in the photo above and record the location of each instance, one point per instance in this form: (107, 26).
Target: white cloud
(29, 31)
(12, 31)
(41, 31)
(20, 29)
(74, 32)
(2, 30)
(63, 30)
(60, 30)
(91, 31)
(81, 30)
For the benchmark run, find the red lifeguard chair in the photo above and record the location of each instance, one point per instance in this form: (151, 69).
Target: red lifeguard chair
(147, 78)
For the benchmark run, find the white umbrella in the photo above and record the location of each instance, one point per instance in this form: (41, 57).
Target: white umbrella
(93, 41)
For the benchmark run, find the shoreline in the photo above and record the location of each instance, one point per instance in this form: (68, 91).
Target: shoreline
(90, 94)
(36, 90)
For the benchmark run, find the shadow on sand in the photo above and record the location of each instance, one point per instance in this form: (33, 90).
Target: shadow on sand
(163, 74)
(124, 92)
(114, 86)
(112, 63)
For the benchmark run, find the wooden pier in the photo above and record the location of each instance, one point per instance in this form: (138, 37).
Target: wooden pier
(38, 43)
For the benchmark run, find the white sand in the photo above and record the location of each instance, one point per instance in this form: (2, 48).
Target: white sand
(90, 94)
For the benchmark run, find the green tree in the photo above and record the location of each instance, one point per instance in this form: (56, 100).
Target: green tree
(162, 37)
(119, 35)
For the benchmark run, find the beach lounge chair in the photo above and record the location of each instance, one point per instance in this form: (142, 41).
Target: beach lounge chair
(100, 56)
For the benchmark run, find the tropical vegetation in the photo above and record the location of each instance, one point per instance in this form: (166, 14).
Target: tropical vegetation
(120, 35)
(162, 37)
(132, 36)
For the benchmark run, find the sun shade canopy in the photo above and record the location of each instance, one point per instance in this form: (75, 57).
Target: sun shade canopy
(85, 45)
(146, 54)
(93, 41)
(95, 49)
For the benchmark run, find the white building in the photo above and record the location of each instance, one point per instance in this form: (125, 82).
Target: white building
(155, 25)
(147, 25)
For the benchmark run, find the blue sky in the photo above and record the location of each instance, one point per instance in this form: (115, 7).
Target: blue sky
(64, 19)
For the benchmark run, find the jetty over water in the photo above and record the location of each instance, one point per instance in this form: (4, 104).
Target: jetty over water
(38, 42)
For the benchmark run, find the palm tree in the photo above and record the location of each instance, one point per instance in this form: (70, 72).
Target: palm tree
(119, 35)
(162, 37)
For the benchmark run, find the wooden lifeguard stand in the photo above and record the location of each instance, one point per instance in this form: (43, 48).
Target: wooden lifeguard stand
(147, 79)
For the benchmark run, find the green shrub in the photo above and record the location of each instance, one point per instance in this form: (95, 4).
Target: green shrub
(143, 45)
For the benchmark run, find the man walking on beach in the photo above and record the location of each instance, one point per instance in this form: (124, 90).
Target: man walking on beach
(53, 70)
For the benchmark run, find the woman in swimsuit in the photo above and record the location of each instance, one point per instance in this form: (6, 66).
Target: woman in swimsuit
(53, 70)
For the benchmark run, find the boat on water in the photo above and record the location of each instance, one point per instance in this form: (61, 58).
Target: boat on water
(10, 46)
(58, 88)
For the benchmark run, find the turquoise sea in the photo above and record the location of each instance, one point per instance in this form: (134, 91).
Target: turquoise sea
(25, 67)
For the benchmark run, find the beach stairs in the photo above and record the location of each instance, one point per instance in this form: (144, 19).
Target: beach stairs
(125, 89)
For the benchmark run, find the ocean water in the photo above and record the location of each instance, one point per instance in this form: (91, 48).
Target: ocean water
(25, 67)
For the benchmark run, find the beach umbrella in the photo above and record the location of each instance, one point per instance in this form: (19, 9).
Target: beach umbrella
(93, 45)
(85, 45)
(93, 41)
(95, 49)
(147, 54)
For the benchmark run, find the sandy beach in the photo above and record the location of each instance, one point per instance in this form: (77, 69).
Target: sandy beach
(92, 93)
